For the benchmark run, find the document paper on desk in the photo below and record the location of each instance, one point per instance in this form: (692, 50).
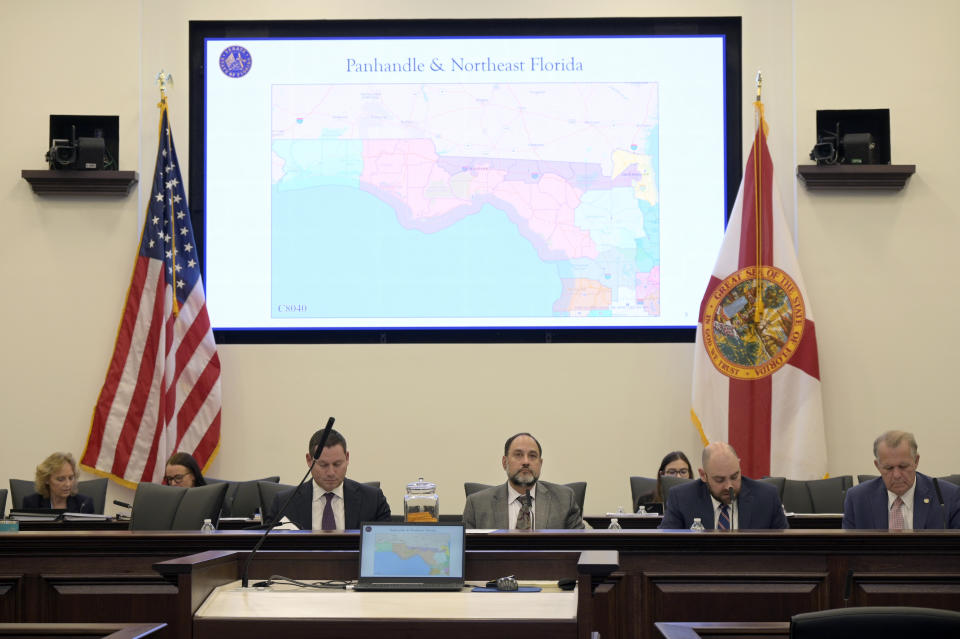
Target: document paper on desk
(411, 556)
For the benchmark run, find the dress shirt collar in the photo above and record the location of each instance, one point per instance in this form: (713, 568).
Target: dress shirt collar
(512, 494)
(319, 492)
(733, 511)
(907, 498)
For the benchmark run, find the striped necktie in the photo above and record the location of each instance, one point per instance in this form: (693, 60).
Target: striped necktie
(723, 521)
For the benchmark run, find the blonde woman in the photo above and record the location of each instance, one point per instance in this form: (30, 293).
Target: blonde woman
(56, 485)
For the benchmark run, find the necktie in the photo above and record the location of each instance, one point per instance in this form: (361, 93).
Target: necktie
(896, 515)
(723, 522)
(524, 516)
(328, 522)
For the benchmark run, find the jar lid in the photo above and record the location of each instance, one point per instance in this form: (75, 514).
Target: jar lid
(421, 485)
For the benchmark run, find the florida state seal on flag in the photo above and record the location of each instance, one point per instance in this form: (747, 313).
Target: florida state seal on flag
(756, 374)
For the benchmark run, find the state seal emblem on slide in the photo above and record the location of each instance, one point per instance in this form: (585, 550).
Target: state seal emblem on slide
(235, 61)
(737, 343)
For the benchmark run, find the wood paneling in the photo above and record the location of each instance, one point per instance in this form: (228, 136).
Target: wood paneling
(662, 576)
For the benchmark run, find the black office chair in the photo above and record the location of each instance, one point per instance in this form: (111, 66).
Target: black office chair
(243, 497)
(641, 487)
(95, 489)
(159, 507)
(863, 478)
(579, 489)
(470, 487)
(19, 489)
(826, 495)
(816, 495)
(796, 497)
(155, 506)
(873, 622)
(268, 491)
(199, 503)
(3, 501)
(669, 481)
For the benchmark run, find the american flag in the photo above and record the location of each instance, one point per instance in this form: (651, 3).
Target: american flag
(162, 390)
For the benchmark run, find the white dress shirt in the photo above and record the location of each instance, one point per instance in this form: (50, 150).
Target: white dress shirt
(906, 509)
(320, 502)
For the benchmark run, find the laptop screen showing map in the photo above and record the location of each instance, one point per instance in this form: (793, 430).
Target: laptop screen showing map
(411, 556)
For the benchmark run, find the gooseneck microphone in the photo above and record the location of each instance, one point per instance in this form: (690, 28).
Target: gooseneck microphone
(943, 509)
(122, 504)
(244, 581)
(730, 492)
(533, 518)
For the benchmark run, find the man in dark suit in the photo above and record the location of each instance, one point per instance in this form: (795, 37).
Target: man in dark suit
(546, 506)
(331, 501)
(900, 498)
(755, 504)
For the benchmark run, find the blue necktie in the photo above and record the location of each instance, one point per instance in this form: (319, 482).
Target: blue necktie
(723, 522)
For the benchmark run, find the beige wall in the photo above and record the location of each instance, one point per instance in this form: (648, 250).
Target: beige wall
(878, 267)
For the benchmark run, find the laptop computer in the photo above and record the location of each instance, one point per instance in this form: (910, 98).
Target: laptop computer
(411, 556)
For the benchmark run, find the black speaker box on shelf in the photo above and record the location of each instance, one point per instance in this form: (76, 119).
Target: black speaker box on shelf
(864, 133)
(95, 140)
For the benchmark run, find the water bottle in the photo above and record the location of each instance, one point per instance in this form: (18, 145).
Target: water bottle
(641, 510)
(207, 526)
(697, 525)
(615, 523)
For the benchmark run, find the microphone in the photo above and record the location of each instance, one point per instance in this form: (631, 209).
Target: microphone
(730, 492)
(943, 509)
(533, 520)
(122, 504)
(244, 581)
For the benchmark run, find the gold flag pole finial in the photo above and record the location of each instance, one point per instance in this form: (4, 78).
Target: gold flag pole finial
(759, 84)
(164, 81)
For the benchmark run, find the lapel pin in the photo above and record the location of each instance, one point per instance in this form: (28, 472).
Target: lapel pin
(926, 500)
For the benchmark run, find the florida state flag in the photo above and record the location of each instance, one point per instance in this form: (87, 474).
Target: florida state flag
(756, 374)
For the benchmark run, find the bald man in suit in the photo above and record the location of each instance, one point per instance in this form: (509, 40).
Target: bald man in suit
(550, 506)
(755, 504)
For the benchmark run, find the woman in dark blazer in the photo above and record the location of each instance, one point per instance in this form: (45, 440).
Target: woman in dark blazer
(56, 486)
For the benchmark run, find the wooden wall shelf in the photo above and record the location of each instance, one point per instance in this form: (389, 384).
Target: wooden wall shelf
(855, 177)
(80, 182)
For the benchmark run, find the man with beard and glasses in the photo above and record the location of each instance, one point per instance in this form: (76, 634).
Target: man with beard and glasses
(547, 506)
(755, 504)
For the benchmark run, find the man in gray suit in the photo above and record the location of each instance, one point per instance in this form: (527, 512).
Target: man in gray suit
(523, 502)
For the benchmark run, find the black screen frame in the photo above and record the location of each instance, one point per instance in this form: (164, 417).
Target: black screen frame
(727, 26)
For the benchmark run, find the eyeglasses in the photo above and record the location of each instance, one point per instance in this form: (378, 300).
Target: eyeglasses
(175, 479)
(675, 472)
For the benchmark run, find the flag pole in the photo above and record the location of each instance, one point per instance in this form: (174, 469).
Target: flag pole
(165, 81)
(758, 197)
